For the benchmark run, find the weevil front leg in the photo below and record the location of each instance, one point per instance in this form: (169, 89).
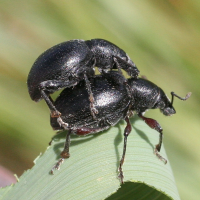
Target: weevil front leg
(155, 125)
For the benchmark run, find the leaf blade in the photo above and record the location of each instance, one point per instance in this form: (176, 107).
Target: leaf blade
(91, 171)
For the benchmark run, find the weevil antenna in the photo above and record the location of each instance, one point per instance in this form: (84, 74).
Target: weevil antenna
(181, 98)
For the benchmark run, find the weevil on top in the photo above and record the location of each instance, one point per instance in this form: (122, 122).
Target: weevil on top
(66, 64)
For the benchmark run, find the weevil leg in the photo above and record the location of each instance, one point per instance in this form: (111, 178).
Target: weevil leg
(50, 86)
(155, 125)
(64, 154)
(54, 111)
(128, 66)
(127, 131)
(62, 124)
(50, 103)
(94, 111)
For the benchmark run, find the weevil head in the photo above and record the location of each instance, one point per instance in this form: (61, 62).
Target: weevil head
(164, 104)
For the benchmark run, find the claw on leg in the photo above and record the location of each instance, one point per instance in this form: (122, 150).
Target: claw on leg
(62, 123)
(64, 154)
(55, 113)
(159, 156)
(57, 165)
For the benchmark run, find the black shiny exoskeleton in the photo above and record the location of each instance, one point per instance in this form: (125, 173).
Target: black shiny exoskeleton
(66, 64)
(115, 100)
(109, 56)
(63, 65)
(111, 96)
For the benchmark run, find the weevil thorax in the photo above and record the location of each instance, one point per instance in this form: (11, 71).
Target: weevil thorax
(148, 95)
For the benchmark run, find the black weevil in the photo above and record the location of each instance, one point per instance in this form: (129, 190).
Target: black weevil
(115, 100)
(66, 64)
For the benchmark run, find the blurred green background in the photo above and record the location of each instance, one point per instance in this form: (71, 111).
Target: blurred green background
(161, 37)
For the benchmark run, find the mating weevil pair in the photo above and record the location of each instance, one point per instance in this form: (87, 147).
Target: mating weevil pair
(95, 103)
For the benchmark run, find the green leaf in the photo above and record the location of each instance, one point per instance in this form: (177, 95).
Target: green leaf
(91, 171)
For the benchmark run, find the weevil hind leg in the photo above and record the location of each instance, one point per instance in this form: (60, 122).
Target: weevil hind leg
(64, 154)
(127, 131)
